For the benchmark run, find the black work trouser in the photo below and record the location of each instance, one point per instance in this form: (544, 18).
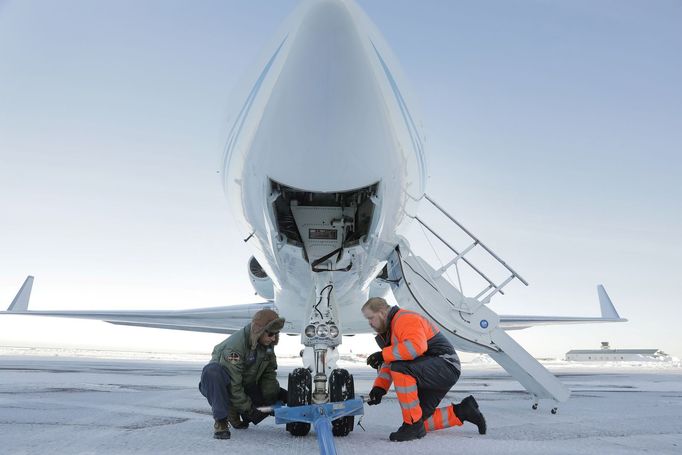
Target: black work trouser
(215, 386)
(435, 377)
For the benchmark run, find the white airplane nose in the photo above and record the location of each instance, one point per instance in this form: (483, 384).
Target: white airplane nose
(326, 113)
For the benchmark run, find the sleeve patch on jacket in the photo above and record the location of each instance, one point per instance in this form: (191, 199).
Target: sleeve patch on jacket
(233, 357)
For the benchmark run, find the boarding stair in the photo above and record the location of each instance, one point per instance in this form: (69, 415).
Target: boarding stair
(467, 320)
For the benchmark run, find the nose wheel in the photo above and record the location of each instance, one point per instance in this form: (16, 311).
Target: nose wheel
(341, 388)
(299, 394)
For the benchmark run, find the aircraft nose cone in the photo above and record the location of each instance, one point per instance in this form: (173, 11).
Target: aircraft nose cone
(327, 102)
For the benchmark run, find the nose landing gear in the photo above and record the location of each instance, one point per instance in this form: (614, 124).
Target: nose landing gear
(341, 388)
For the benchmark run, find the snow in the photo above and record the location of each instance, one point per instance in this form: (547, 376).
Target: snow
(97, 401)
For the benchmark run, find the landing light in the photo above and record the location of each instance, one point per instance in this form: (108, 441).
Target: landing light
(322, 331)
(310, 331)
(333, 331)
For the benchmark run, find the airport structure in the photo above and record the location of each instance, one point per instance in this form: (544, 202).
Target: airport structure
(620, 355)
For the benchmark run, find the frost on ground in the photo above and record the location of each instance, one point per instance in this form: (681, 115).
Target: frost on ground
(89, 405)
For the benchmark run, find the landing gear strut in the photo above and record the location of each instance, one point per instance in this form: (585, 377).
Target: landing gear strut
(314, 399)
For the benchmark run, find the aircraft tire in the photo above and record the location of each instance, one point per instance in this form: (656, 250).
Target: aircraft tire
(299, 393)
(341, 388)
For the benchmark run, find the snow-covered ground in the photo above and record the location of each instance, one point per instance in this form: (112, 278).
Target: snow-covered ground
(62, 403)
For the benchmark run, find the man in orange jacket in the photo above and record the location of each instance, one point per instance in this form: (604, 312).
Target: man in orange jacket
(423, 366)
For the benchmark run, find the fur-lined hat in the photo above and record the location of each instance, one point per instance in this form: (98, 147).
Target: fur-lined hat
(264, 320)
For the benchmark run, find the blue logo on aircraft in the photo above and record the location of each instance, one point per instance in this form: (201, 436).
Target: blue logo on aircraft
(484, 324)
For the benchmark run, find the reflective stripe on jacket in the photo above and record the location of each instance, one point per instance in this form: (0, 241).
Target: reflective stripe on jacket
(410, 335)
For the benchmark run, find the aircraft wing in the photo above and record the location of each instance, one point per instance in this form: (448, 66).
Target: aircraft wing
(608, 314)
(224, 319)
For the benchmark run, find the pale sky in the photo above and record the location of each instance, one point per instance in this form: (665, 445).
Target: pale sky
(553, 131)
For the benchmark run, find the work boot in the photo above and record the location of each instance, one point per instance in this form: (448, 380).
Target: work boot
(236, 420)
(408, 432)
(221, 429)
(467, 411)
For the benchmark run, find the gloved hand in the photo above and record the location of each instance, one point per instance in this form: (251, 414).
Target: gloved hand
(255, 416)
(238, 423)
(375, 360)
(375, 395)
(236, 420)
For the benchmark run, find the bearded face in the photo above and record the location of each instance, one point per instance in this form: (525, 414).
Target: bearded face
(376, 320)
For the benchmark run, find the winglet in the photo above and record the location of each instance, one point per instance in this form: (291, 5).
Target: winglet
(608, 311)
(20, 302)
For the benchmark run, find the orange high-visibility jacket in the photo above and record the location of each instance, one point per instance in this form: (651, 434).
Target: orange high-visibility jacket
(409, 336)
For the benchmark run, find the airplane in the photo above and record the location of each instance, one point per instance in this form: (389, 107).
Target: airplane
(325, 171)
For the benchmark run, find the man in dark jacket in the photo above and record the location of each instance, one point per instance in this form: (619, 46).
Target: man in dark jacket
(423, 365)
(242, 375)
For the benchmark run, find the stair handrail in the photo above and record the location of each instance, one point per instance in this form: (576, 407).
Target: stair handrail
(459, 256)
(475, 239)
(488, 292)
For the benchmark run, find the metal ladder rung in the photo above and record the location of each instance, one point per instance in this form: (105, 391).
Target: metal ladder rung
(497, 289)
(488, 250)
(490, 286)
(442, 270)
(483, 275)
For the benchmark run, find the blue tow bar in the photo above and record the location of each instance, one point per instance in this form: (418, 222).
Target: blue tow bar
(321, 416)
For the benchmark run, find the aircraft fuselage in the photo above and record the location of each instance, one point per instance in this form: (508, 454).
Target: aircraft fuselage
(324, 128)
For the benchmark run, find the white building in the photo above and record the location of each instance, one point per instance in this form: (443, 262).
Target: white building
(620, 355)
